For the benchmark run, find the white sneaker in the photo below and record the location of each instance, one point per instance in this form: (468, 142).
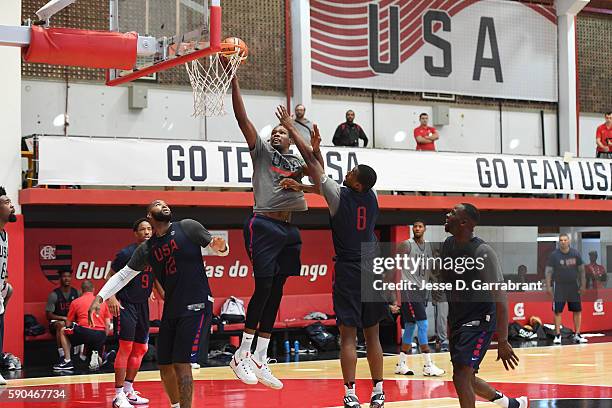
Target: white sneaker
(433, 371)
(134, 398)
(94, 363)
(121, 401)
(264, 375)
(557, 339)
(242, 367)
(523, 402)
(402, 368)
(195, 366)
(579, 339)
(2, 380)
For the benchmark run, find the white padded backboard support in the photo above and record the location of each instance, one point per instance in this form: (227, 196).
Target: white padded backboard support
(51, 8)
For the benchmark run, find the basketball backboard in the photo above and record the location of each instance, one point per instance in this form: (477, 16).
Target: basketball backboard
(183, 29)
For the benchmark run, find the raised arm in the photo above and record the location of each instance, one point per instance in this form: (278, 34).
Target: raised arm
(314, 166)
(200, 235)
(247, 128)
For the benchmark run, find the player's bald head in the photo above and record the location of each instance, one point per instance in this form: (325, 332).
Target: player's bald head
(87, 286)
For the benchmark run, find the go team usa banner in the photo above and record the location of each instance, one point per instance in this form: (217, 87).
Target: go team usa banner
(490, 48)
(121, 162)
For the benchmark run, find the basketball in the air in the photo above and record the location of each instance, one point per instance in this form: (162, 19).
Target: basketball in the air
(234, 45)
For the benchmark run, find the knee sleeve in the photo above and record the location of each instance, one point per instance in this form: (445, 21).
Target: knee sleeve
(138, 352)
(422, 332)
(123, 354)
(408, 332)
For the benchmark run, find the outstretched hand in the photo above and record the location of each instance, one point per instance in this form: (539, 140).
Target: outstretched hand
(218, 244)
(283, 116)
(315, 138)
(505, 353)
(290, 184)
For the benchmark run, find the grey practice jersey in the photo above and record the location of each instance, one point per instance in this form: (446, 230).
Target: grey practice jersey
(3, 265)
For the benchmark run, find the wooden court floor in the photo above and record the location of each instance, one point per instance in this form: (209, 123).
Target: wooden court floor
(569, 376)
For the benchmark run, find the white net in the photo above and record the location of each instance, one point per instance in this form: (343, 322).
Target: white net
(210, 81)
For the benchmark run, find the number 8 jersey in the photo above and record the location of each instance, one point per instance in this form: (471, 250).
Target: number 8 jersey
(353, 219)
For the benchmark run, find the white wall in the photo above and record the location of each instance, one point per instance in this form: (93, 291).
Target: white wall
(97, 110)
(588, 125)
(10, 108)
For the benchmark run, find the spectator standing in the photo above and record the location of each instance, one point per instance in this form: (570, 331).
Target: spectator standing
(425, 135)
(58, 304)
(565, 269)
(303, 125)
(349, 133)
(603, 138)
(595, 273)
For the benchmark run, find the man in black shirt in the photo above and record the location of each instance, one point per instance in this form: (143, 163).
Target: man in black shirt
(58, 304)
(565, 269)
(472, 314)
(349, 133)
(174, 253)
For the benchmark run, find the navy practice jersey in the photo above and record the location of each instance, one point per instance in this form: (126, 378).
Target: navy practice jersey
(176, 259)
(353, 219)
(469, 305)
(138, 289)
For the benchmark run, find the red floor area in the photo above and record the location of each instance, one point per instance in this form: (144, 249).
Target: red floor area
(301, 393)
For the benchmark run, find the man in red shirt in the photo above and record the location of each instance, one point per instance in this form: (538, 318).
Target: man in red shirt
(595, 273)
(425, 135)
(603, 137)
(78, 331)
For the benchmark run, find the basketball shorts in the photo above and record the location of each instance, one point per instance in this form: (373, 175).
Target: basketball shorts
(180, 337)
(413, 312)
(468, 346)
(273, 246)
(133, 322)
(566, 293)
(349, 309)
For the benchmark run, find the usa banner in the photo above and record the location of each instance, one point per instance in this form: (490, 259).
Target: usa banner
(488, 48)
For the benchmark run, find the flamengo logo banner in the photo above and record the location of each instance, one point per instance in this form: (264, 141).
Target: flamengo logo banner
(84, 161)
(490, 48)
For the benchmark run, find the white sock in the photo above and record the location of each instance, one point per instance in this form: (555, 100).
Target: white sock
(350, 391)
(261, 351)
(403, 358)
(378, 388)
(67, 359)
(128, 387)
(60, 351)
(501, 400)
(427, 359)
(245, 346)
(177, 405)
(118, 390)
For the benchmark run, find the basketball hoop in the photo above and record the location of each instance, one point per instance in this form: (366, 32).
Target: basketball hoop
(210, 77)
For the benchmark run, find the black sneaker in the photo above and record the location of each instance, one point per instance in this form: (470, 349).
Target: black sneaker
(378, 400)
(63, 366)
(351, 401)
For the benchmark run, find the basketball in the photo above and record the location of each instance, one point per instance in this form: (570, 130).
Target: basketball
(234, 45)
